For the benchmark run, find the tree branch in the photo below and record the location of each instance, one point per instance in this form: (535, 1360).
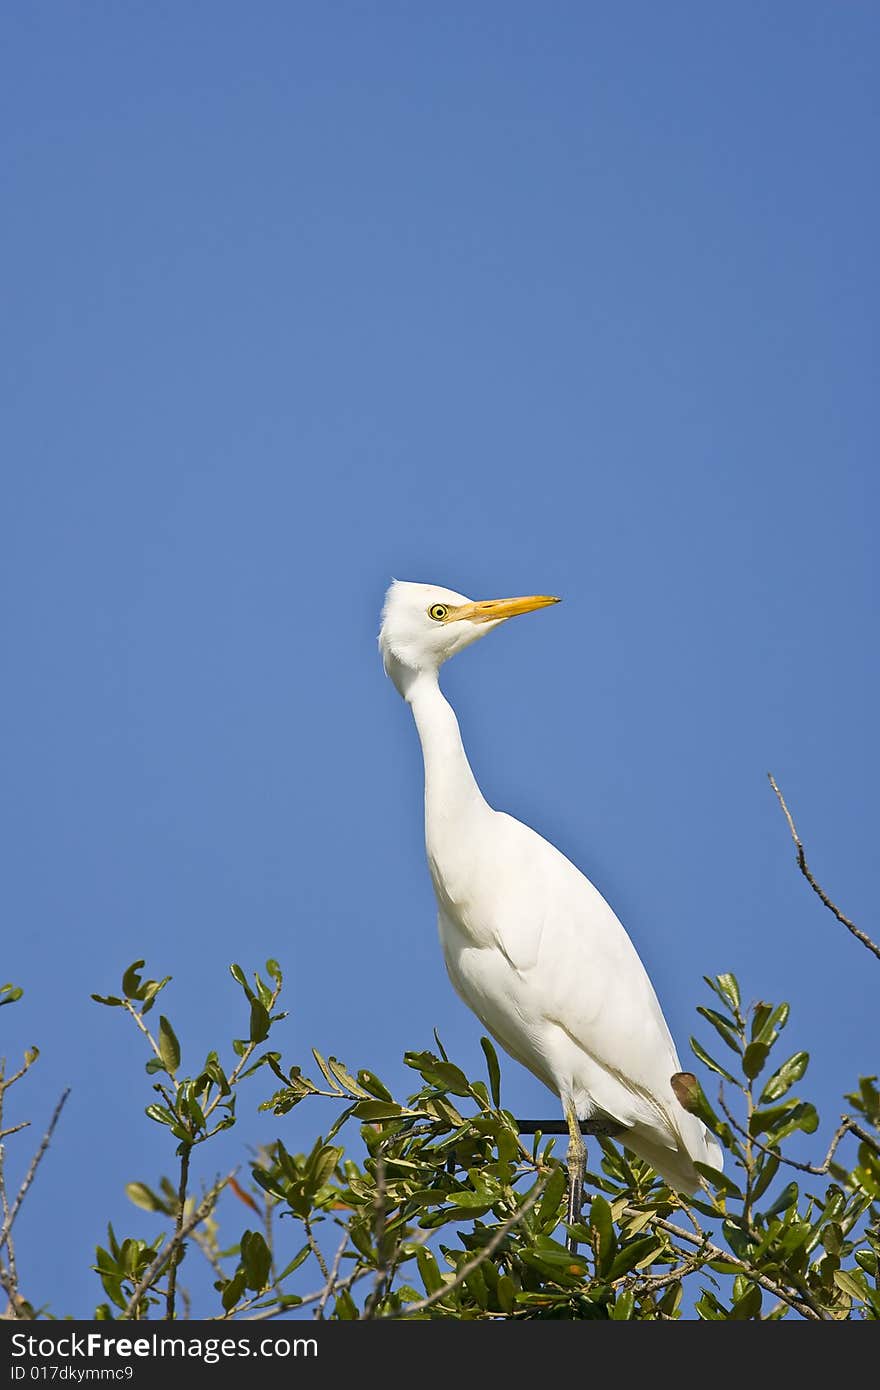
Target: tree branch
(32, 1170)
(478, 1259)
(817, 888)
(204, 1209)
(331, 1285)
(847, 1126)
(181, 1205)
(714, 1252)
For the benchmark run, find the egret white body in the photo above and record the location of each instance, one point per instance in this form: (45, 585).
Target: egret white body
(530, 945)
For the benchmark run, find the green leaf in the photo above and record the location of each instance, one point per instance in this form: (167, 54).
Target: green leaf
(111, 1000)
(719, 1181)
(506, 1293)
(754, 1059)
(238, 975)
(371, 1083)
(257, 1260)
(494, 1070)
(671, 1301)
(169, 1047)
(637, 1252)
(852, 1282)
(264, 993)
(373, 1110)
(622, 1309)
(603, 1238)
(795, 1237)
(150, 989)
(345, 1079)
(131, 981)
(722, 1028)
(327, 1073)
(726, 987)
(784, 1202)
(710, 1062)
(548, 1208)
(273, 970)
(299, 1258)
(448, 1077)
(321, 1165)
(233, 1291)
(161, 1114)
(748, 1305)
(768, 1166)
(9, 993)
(783, 1079)
(431, 1276)
(260, 1021)
(803, 1116)
(768, 1022)
(143, 1197)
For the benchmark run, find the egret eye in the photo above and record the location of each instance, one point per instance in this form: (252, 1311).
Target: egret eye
(438, 612)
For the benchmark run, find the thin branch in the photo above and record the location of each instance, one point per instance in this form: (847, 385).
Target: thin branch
(846, 1126)
(204, 1209)
(817, 888)
(481, 1256)
(331, 1281)
(181, 1205)
(714, 1252)
(379, 1208)
(143, 1027)
(4, 1133)
(596, 1127)
(279, 1309)
(242, 1061)
(32, 1170)
(315, 1247)
(651, 1283)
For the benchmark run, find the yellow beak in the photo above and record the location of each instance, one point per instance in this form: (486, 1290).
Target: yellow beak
(494, 610)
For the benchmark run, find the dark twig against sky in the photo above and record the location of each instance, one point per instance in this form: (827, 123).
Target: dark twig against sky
(816, 887)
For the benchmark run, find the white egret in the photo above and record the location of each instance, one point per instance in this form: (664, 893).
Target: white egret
(530, 945)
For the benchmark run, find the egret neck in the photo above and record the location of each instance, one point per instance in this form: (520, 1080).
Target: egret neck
(452, 797)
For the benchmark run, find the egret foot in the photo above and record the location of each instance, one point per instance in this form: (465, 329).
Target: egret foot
(577, 1155)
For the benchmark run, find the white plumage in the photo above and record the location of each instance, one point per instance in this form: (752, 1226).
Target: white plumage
(530, 944)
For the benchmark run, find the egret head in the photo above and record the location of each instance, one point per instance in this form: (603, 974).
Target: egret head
(423, 625)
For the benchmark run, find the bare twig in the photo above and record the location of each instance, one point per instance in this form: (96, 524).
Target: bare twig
(847, 1126)
(482, 1255)
(32, 1170)
(126, 1003)
(315, 1247)
(5, 1133)
(331, 1284)
(181, 1204)
(714, 1252)
(652, 1283)
(600, 1126)
(817, 888)
(278, 1310)
(336, 1286)
(379, 1207)
(204, 1209)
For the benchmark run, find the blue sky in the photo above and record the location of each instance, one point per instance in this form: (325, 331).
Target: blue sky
(575, 299)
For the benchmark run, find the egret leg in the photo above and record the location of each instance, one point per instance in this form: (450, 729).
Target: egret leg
(577, 1155)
